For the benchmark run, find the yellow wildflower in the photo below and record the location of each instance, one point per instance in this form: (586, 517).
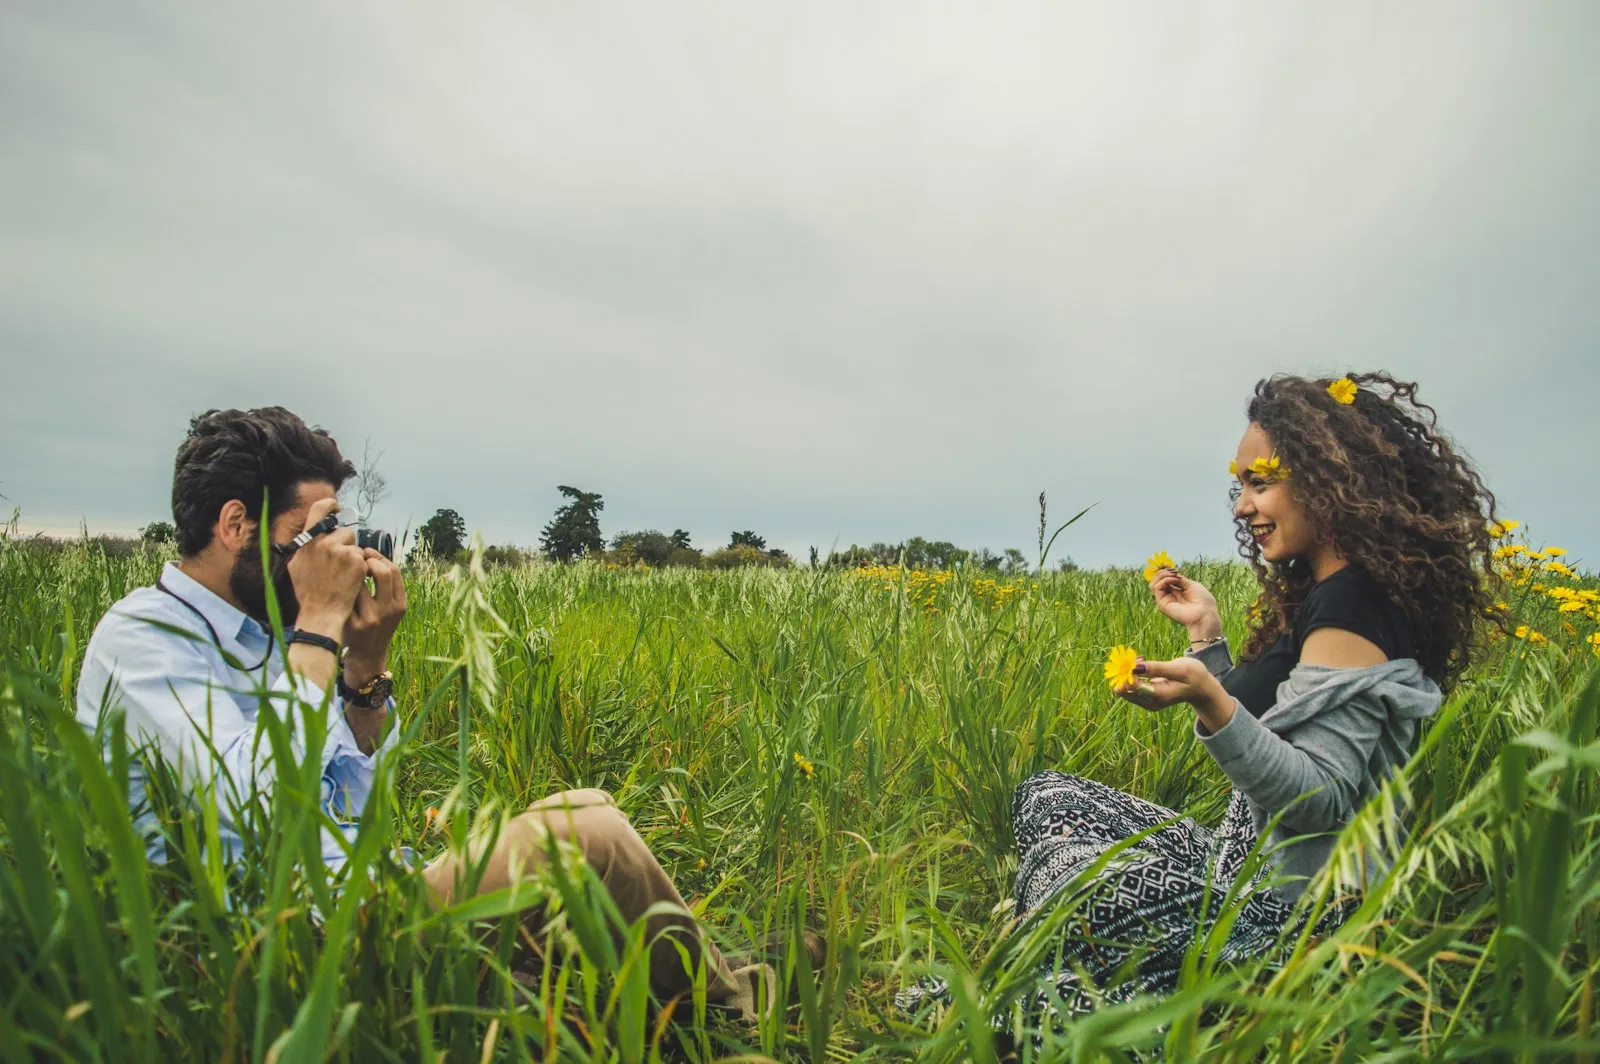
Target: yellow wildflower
(806, 768)
(1554, 552)
(1500, 528)
(1343, 391)
(1156, 562)
(1269, 468)
(1119, 666)
(1571, 606)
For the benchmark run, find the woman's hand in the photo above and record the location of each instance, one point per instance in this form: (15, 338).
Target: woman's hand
(1188, 603)
(1167, 683)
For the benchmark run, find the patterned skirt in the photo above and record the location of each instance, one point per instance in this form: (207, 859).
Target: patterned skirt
(1136, 919)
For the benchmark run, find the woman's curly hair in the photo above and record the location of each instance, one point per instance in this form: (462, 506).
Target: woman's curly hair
(1396, 497)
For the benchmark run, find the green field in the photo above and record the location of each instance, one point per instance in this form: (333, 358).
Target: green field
(918, 703)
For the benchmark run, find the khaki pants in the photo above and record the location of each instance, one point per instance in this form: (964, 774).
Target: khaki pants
(590, 820)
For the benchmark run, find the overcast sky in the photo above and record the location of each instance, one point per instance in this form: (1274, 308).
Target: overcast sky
(831, 272)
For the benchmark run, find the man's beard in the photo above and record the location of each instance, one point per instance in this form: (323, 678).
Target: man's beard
(250, 588)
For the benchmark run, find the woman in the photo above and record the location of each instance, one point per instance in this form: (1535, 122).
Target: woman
(1368, 533)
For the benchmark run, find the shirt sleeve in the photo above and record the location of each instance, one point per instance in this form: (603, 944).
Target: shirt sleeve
(174, 701)
(351, 772)
(1216, 657)
(1313, 779)
(1347, 605)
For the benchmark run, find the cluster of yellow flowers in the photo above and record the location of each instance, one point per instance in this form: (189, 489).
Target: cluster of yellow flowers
(1540, 575)
(994, 592)
(923, 586)
(1265, 468)
(807, 769)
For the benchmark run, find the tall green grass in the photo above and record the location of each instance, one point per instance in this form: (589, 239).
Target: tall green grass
(687, 694)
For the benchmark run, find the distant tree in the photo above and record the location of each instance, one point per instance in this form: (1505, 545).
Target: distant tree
(932, 554)
(575, 529)
(1067, 565)
(813, 557)
(746, 555)
(855, 557)
(680, 539)
(651, 547)
(504, 557)
(1015, 561)
(371, 486)
(158, 532)
(442, 536)
(987, 559)
(747, 539)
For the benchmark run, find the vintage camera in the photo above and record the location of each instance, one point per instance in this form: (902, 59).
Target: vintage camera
(376, 538)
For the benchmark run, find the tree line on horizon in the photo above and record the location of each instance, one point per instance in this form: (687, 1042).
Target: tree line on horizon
(574, 533)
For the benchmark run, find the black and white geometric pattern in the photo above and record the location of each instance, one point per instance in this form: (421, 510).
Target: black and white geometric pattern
(1143, 909)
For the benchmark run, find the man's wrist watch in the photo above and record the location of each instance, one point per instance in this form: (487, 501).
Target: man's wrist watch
(374, 695)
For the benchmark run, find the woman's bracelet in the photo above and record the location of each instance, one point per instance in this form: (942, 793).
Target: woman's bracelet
(1201, 644)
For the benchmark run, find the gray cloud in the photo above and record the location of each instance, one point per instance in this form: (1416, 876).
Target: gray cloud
(826, 271)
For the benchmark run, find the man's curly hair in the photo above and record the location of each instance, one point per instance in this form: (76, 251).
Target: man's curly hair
(1396, 498)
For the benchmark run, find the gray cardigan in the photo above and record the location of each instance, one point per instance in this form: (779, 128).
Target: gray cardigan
(1319, 753)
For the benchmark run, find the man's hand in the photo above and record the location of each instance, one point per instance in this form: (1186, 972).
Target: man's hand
(372, 623)
(327, 573)
(1187, 602)
(1167, 683)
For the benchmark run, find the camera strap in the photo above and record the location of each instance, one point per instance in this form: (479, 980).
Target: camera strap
(327, 524)
(232, 661)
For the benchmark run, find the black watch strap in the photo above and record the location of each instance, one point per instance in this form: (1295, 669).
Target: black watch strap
(315, 640)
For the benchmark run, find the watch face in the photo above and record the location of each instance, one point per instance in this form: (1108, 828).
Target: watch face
(378, 694)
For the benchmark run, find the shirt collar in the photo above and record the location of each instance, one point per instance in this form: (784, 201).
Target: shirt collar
(230, 621)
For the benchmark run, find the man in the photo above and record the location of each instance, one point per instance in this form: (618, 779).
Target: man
(190, 660)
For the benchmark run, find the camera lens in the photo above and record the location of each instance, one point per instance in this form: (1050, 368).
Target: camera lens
(377, 539)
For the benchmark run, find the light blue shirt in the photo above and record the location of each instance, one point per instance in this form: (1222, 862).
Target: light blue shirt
(183, 697)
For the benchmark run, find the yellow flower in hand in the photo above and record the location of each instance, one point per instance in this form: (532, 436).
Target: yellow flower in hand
(1119, 666)
(1156, 562)
(1343, 391)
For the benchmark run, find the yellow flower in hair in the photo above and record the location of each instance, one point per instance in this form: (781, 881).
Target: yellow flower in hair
(1119, 666)
(1158, 561)
(1233, 468)
(1343, 391)
(1269, 468)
